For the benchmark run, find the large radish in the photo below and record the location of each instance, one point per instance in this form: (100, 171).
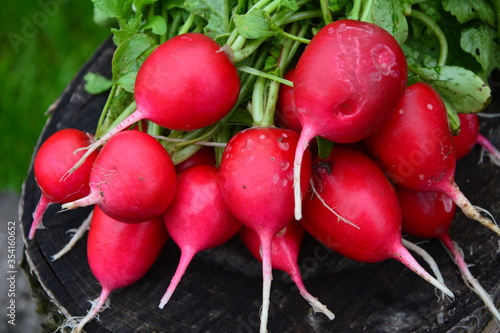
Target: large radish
(416, 148)
(285, 254)
(198, 218)
(347, 82)
(256, 179)
(52, 160)
(429, 215)
(119, 254)
(352, 184)
(187, 83)
(133, 178)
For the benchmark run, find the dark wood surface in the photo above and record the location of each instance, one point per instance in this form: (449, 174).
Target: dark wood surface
(221, 291)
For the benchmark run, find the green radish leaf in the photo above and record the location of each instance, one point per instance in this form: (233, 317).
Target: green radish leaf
(467, 10)
(255, 24)
(453, 119)
(215, 12)
(465, 91)
(120, 9)
(157, 25)
(391, 15)
(128, 58)
(482, 43)
(97, 83)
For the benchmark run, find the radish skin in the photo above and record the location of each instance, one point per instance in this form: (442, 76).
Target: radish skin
(198, 218)
(55, 156)
(256, 179)
(347, 82)
(416, 149)
(132, 180)
(352, 183)
(185, 84)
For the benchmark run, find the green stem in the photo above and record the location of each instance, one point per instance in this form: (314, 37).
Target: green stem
(305, 15)
(253, 71)
(325, 12)
(355, 10)
(187, 24)
(106, 107)
(295, 38)
(124, 114)
(443, 43)
(366, 11)
(257, 106)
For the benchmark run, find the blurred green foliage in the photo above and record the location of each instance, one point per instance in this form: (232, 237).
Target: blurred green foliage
(43, 45)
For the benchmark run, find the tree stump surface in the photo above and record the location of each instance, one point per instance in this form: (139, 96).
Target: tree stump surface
(222, 288)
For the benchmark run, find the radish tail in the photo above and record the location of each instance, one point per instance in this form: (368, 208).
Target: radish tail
(313, 301)
(426, 256)
(493, 152)
(267, 277)
(186, 257)
(455, 253)
(91, 199)
(75, 238)
(401, 254)
(130, 120)
(40, 209)
(467, 208)
(306, 135)
(96, 308)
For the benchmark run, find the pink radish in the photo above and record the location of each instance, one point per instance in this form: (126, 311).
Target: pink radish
(133, 178)
(198, 218)
(55, 156)
(429, 215)
(469, 136)
(205, 155)
(347, 82)
(352, 184)
(187, 83)
(416, 148)
(119, 254)
(256, 178)
(285, 113)
(285, 254)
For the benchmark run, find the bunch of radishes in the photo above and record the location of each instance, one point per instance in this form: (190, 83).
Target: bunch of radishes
(394, 152)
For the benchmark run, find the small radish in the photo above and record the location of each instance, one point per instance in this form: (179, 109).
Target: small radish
(119, 254)
(429, 215)
(351, 183)
(133, 178)
(198, 218)
(469, 136)
(285, 113)
(347, 82)
(55, 156)
(256, 179)
(205, 155)
(285, 254)
(416, 150)
(187, 83)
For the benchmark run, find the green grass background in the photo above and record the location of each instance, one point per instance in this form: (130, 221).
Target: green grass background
(43, 45)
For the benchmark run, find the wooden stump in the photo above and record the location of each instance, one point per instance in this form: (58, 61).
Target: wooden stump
(221, 291)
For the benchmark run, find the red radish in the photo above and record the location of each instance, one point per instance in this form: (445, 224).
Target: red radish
(285, 113)
(132, 180)
(429, 215)
(205, 155)
(119, 254)
(55, 156)
(356, 187)
(198, 218)
(256, 179)
(416, 149)
(469, 136)
(187, 83)
(347, 82)
(285, 254)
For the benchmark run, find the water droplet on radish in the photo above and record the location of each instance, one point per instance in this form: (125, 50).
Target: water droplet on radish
(248, 144)
(285, 165)
(285, 146)
(383, 58)
(262, 136)
(284, 182)
(276, 178)
(401, 111)
(429, 106)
